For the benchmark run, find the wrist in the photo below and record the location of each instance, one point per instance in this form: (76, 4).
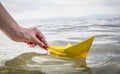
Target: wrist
(13, 31)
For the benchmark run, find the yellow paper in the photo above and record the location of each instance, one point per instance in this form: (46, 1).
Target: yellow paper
(79, 50)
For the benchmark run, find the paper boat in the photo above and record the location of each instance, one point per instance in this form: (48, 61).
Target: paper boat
(79, 50)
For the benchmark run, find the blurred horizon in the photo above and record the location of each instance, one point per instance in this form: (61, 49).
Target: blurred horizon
(34, 9)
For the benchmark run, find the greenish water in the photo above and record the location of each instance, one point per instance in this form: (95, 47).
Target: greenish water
(34, 63)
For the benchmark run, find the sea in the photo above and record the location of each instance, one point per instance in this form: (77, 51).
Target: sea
(103, 57)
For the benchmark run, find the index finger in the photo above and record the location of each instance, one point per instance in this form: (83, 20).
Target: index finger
(41, 37)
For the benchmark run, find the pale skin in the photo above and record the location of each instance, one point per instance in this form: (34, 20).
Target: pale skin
(31, 36)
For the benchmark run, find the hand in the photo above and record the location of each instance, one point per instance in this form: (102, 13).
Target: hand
(9, 26)
(31, 36)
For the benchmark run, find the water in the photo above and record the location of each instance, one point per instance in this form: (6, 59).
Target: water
(103, 58)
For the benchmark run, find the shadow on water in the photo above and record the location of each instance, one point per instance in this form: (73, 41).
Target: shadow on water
(35, 63)
(18, 65)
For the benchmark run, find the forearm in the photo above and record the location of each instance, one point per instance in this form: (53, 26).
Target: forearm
(9, 26)
(7, 23)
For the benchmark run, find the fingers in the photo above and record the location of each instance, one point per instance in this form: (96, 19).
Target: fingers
(40, 43)
(41, 37)
(36, 38)
(31, 44)
(45, 42)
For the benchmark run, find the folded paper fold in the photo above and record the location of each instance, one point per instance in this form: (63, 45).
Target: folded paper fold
(79, 50)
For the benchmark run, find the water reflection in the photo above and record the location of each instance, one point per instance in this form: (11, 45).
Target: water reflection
(18, 65)
(34, 63)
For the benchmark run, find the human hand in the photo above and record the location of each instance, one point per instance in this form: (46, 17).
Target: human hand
(35, 37)
(31, 36)
(9, 26)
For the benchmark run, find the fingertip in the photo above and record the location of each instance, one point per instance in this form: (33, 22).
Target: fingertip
(41, 42)
(32, 45)
(41, 45)
(45, 43)
(44, 46)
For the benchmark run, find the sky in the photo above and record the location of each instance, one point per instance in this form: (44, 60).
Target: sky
(30, 9)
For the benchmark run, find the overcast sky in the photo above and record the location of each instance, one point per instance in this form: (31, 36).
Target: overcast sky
(61, 8)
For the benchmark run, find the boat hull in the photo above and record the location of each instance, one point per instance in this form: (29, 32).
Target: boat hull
(79, 50)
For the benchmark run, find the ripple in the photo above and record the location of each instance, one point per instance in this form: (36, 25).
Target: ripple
(103, 57)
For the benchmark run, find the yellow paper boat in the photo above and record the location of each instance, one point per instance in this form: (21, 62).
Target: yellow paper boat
(79, 50)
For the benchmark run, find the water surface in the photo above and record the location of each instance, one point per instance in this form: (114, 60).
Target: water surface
(103, 58)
